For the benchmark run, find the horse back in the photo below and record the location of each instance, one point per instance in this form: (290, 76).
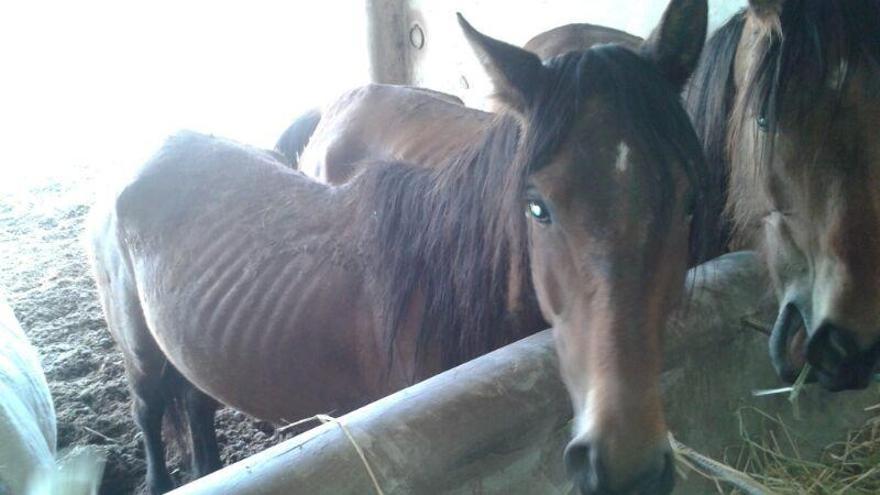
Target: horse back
(379, 122)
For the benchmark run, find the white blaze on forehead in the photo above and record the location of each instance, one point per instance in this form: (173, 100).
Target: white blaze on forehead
(622, 157)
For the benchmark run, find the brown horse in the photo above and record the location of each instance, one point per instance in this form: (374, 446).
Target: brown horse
(787, 101)
(415, 125)
(382, 122)
(577, 37)
(227, 277)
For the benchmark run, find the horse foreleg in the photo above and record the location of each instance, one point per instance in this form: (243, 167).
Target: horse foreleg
(200, 410)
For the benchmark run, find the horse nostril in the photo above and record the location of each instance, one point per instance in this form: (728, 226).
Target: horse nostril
(575, 456)
(830, 348)
(580, 465)
(842, 344)
(838, 360)
(586, 469)
(665, 480)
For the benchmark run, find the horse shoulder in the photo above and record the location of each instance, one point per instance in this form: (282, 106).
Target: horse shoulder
(347, 133)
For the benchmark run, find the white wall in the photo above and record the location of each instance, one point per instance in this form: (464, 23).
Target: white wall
(101, 82)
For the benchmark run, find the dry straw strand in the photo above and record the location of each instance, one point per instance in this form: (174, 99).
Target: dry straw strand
(325, 418)
(851, 466)
(716, 471)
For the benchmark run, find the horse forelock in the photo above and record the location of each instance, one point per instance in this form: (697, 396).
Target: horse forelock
(809, 62)
(645, 105)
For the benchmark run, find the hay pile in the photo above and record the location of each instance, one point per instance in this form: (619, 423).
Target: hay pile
(772, 458)
(769, 459)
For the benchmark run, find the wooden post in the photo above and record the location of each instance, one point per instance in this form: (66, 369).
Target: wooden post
(388, 41)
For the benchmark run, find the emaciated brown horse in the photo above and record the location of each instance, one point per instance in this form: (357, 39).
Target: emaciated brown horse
(415, 125)
(787, 103)
(227, 277)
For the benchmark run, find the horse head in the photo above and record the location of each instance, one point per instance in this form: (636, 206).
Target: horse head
(611, 176)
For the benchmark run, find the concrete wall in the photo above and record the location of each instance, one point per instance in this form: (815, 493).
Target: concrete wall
(433, 53)
(498, 424)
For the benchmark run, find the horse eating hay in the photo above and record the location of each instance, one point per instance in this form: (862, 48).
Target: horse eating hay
(227, 277)
(787, 102)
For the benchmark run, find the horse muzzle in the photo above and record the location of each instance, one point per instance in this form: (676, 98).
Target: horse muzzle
(586, 468)
(837, 361)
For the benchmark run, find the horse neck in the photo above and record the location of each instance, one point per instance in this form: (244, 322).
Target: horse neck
(486, 171)
(443, 233)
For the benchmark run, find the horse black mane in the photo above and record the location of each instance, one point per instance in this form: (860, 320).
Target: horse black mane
(709, 100)
(816, 38)
(812, 39)
(457, 232)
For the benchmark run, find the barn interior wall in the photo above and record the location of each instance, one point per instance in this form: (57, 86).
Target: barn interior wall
(422, 43)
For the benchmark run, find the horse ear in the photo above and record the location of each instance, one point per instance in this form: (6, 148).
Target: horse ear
(676, 43)
(514, 72)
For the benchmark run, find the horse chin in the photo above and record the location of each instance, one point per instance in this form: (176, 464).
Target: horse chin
(788, 349)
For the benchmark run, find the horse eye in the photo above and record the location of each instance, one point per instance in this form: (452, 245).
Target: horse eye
(762, 120)
(538, 210)
(690, 205)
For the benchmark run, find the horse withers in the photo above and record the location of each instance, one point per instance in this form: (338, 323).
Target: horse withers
(227, 277)
(787, 101)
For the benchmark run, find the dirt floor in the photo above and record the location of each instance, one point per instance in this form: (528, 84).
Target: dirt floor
(46, 277)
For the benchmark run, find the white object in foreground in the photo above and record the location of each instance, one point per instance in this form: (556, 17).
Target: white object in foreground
(27, 425)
